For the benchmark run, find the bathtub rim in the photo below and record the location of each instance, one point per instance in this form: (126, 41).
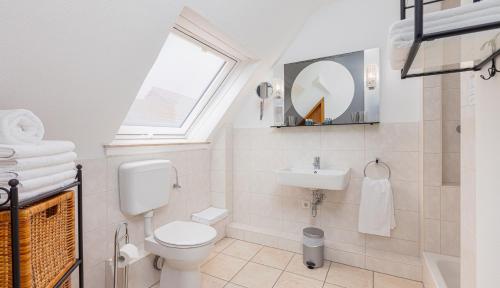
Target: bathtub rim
(430, 261)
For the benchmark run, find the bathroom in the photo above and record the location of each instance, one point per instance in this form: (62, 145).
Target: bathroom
(88, 70)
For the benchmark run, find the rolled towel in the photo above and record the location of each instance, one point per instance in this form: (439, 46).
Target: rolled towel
(44, 181)
(44, 148)
(9, 165)
(20, 126)
(20, 175)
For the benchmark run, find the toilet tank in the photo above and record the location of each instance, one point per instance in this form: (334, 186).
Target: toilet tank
(144, 185)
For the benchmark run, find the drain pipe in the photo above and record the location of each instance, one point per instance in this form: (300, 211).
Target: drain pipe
(148, 223)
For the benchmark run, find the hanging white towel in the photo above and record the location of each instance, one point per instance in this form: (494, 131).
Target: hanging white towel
(376, 211)
(9, 165)
(22, 175)
(20, 126)
(44, 148)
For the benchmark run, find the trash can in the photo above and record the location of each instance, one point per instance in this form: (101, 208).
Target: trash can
(313, 247)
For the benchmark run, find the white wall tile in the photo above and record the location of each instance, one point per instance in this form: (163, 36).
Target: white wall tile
(432, 137)
(450, 238)
(432, 235)
(405, 247)
(433, 169)
(450, 203)
(432, 202)
(406, 196)
(432, 104)
(407, 226)
(342, 138)
(392, 137)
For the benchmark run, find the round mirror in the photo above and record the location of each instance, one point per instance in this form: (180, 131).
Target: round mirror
(324, 89)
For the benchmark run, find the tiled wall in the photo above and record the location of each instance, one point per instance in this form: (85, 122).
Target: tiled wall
(260, 204)
(450, 121)
(468, 185)
(441, 203)
(102, 212)
(221, 169)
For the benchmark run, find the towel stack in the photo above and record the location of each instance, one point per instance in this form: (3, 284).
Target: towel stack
(40, 166)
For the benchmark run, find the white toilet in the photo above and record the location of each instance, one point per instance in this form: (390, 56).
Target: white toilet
(184, 246)
(145, 186)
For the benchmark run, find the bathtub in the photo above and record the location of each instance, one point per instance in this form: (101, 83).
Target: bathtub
(441, 271)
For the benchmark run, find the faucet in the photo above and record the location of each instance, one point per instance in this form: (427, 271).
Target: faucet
(317, 163)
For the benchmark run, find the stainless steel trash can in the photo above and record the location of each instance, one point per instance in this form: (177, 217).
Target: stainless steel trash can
(313, 247)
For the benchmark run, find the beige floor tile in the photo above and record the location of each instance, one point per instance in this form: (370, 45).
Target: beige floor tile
(232, 285)
(328, 285)
(296, 266)
(208, 281)
(223, 266)
(242, 250)
(210, 256)
(257, 276)
(349, 277)
(387, 281)
(273, 257)
(290, 280)
(222, 244)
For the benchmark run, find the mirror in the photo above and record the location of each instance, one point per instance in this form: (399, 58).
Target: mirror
(323, 90)
(339, 89)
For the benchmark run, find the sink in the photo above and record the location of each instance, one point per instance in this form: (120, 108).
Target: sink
(328, 179)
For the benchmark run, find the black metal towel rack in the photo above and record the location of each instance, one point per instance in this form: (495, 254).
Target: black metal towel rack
(421, 37)
(15, 205)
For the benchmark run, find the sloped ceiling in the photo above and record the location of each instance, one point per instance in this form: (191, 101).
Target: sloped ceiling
(79, 64)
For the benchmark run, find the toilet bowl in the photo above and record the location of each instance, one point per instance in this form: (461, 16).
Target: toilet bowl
(184, 246)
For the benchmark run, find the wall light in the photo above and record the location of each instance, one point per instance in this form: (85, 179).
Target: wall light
(371, 76)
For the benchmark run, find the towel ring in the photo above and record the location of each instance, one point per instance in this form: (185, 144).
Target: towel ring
(378, 162)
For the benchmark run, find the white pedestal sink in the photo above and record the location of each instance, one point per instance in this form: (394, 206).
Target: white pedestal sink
(322, 179)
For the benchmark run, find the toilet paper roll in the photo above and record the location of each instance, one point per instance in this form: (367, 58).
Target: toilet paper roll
(128, 253)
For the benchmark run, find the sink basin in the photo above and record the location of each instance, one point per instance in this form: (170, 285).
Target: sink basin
(329, 179)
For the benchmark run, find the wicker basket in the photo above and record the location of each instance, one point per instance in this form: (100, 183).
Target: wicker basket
(47, 242)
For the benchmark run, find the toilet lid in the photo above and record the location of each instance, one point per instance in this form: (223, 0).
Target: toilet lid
(185, 234)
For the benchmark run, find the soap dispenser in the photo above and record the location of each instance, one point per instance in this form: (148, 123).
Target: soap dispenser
(278, 107)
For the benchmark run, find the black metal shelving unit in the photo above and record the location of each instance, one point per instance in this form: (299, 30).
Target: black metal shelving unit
(420, 37)
(13, 204)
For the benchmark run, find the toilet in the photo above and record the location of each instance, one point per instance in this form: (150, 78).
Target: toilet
(184, 245)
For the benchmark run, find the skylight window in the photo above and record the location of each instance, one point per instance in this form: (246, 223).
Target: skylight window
(185, 76)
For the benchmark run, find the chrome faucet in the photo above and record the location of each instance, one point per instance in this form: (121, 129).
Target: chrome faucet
(317, 163)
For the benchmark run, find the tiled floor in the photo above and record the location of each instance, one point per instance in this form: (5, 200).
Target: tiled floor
(239, 264)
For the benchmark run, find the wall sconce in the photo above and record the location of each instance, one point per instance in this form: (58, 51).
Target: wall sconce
(371, 76)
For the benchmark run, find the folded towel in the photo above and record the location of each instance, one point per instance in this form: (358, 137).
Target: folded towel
(44, 148)
(401, 34)
(20, 175)
(33, 193)
(40, 182)
(376, 211)
(9, 165)
(20, 126)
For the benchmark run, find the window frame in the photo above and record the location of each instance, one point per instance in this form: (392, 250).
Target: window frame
(191, 32)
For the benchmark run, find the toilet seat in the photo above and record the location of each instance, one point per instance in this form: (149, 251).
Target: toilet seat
(182, 234)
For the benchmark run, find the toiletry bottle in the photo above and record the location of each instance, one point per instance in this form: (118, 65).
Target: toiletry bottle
(278, 107)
